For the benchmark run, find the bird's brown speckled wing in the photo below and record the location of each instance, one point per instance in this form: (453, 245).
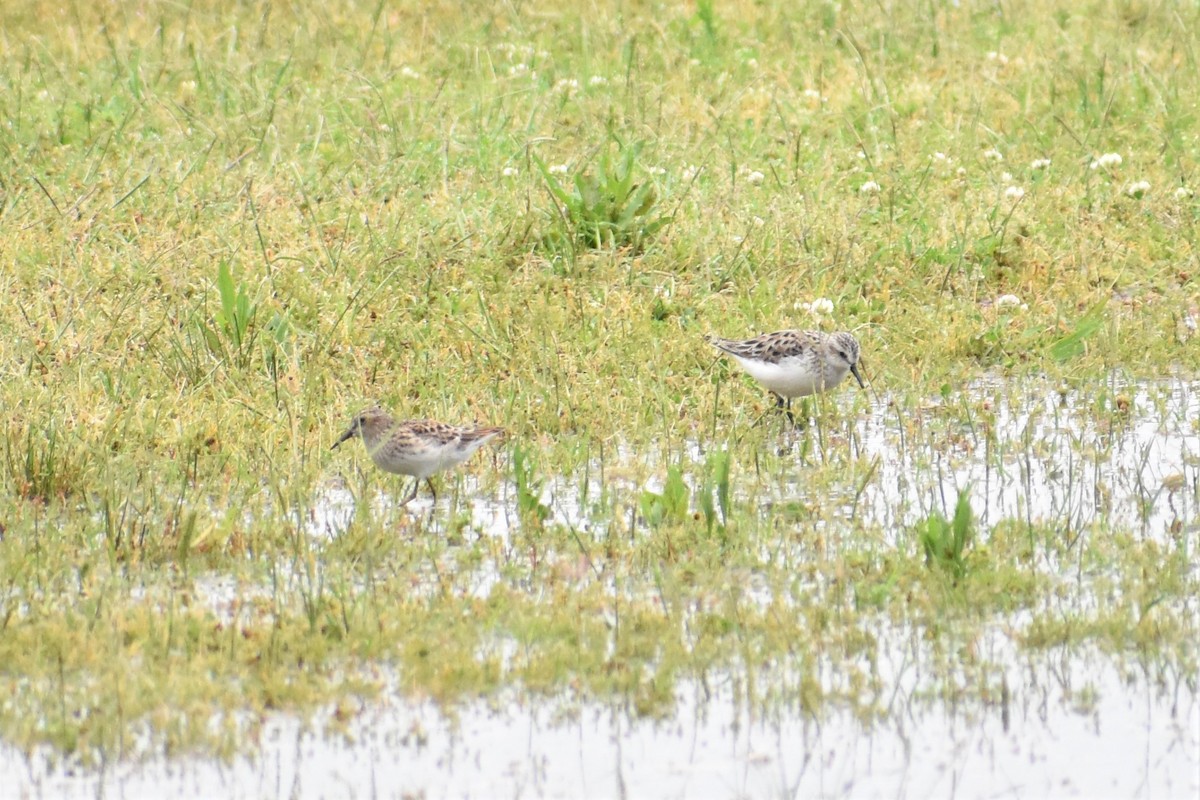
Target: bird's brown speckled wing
(441, 433)
(769, 347)
(481, 433)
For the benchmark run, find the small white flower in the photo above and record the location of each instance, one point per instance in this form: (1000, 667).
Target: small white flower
(870, 187)
(1040, 163)
(815, 96)
(409, 72)
(992, 154)
(597, 80)
(695, 62)
(752, 63)
(1009, 301)
(689, 172)
(1014, 193)
(1006, 177)
(758, 221)
(1107, 160)
(518, 69)
(737, 239)
(558, 169)
(510, 172)
(821, 306)
(656, 170)
(754, 177)
(1183, 193)
(941, 163)
(566, 85)
(1137, 188)
(961, 172)
(999, 58)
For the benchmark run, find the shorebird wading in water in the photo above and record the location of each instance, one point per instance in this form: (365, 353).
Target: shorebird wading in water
(418, 448)
(793, 364)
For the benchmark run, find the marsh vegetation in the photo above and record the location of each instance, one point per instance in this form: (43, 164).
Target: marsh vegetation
(226, 229)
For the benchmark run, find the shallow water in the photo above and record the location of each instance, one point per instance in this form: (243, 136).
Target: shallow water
(1073, 727)
(1040, 454)
(1058, 721)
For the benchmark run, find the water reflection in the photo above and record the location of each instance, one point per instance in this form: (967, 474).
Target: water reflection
(1072, 727)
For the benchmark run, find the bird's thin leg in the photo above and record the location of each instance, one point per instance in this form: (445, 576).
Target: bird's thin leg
(785, 405)
(432, 491)
(408, 498)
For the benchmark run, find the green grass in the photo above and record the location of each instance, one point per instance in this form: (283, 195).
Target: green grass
(228, 226)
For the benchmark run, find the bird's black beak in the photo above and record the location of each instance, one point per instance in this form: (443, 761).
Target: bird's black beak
(857, 376)
(353, 429)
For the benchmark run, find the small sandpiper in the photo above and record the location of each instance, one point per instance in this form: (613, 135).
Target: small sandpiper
(418, 448)
(794, 364)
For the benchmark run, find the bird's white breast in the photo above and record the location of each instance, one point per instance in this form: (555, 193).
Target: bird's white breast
(793, 377)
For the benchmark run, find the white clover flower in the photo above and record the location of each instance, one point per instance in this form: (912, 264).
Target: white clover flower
(940, 158)
(999, 58)
(689, 172)
(1137, 188)
(557, 169)
(758, 221)
(1040, 163)
(992, 154)
(1006, 177)
(566, 85)
(1009, 301)
(870, 187)
(737, 239)
(518, 69)
(409, 72)
(821, 306)
(657, 170)
(754, 177)
(597, 80)
(961, 172)
(1183, 193)
(815, 96)
(1014, 193)
(1107, 160)
(510, 172)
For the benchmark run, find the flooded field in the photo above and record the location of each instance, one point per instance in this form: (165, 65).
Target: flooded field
(1073, 728)
(1060, 661)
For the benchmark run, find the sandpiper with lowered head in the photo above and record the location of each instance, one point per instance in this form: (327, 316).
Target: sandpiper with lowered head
(418, 448)
(794, 364)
